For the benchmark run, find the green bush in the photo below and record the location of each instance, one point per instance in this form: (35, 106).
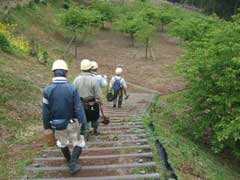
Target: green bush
(4, 43)
(106, 10)
(78, 22)
(44, 2)
(212, 70)
(131, 23)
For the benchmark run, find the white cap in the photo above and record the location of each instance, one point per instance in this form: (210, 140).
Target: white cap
(85, 65)
(59, 64)
(94, 65)
(119, 71)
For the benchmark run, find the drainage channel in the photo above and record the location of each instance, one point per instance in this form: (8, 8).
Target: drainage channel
(120, 152)
(162, 153)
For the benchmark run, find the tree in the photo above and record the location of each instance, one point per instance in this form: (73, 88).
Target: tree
(144, 35)
(212, 71)
(106, 10)
(79, 22)
(165, 18)
(131, 23)
(223, 8)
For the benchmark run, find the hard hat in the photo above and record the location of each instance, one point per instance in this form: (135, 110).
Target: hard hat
(119, 71)
(59, 64)
(94, 65)
(85, 65)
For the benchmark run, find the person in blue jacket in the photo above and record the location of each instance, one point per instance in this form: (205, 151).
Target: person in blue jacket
(63, 112)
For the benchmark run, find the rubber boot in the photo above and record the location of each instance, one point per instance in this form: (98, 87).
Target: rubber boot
(74, 167)
(96, 132)
(120, 101)
(66, 154)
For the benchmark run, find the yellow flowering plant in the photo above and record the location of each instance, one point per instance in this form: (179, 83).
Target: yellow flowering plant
(16, 42)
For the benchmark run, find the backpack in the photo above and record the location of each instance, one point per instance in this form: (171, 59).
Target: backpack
(117, 84)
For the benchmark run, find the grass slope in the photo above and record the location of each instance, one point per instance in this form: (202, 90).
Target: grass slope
(22, 79)
(189, 160)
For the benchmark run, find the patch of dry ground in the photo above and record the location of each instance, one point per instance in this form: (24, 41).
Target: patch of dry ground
(12, 3)
(110, 48)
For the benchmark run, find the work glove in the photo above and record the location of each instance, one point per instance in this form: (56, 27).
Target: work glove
(85, 131)
(50, 137)
(126, 97)
(106, 120)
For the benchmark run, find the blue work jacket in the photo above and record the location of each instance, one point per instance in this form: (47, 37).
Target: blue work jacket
(61, 100)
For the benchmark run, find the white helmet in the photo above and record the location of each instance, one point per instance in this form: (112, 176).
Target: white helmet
(85, 65)
(119, 71)
(94, 65)
(59, 64)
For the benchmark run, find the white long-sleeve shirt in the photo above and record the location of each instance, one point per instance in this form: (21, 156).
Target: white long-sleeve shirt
(102, 81)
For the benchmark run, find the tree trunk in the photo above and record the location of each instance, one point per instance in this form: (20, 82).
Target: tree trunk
(76, 52)
(236, 6)
(76, 48)
(162, 27)
(103, 25)
(146, 50)
(132, 39)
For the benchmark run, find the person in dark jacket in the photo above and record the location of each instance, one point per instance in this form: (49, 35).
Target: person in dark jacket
(63, 111)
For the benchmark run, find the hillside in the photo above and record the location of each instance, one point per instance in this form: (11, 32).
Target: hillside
(23, 77)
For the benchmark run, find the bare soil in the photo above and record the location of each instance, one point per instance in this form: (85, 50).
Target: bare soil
(110, 49)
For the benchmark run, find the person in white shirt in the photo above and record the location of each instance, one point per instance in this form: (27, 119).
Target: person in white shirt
(102, 83)
(102, 79)
(119, 87)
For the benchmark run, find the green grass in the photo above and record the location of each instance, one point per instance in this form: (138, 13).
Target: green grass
(17, 114)
(21, 80)
(189, 160)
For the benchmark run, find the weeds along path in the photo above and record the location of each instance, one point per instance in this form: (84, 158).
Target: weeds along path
(120, 152)
(12, 3)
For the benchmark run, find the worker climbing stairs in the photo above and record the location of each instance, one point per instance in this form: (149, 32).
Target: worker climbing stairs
(120, 152)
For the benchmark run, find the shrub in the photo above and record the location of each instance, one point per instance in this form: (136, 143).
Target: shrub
(106, 10)
(78, 22)
(16, 42)
(212, 70)
(4, 43)
(131, 23)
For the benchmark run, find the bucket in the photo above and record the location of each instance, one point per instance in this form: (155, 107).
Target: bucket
(50, 137)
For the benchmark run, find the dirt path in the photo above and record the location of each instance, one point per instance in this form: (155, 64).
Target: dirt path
(110, 48)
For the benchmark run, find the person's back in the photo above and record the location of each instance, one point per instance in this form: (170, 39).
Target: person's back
(86, 85)
(63, 112)
(90, 92)
(101, 79)
(60, 107)
(119, 86)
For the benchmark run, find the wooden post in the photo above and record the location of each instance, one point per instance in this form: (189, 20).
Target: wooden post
(68, 46)
(153, 56)
(132, 39)
(76, 48)
(146, 50)
(76, 52)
